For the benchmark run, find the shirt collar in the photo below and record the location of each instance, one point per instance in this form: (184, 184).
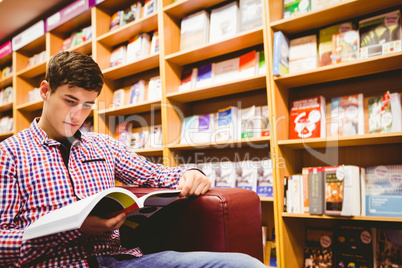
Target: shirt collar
(42, 137)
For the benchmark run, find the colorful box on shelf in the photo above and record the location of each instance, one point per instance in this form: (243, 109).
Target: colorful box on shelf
(5, 49)
(31, 34)
(69, 12)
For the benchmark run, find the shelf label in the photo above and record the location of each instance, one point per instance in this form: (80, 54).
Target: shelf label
(32, 33)
(69, 12)
(5, 49)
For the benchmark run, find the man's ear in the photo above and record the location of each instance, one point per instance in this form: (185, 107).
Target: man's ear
(44, 90)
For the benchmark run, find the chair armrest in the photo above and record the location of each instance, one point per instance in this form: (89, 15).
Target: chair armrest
(221, 220)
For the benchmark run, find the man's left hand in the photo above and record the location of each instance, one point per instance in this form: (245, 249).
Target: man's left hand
(193, 182)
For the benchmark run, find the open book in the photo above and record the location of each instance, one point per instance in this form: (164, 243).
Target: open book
(105, 204)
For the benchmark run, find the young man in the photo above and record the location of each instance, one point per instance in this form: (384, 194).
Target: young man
(51, 164)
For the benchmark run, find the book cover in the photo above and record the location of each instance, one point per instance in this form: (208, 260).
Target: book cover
(318, 248)
(246, 175)
(132, 13)
(123, 133)
(295, 194)
(303, 53)
(251, 122)
(347, 115)
(319, 4)
(265, 129)
(325, 41)
(155, 136)
(137, 92)
(224, 22)
(204, 75)
(224, 173)
(188, 79)
(387, 247)
(227, 128)
(307, 118)
(118, 98)
(247, 64)
(105, 204)
(383, 191)
(118, 56)
(225, 71)
(353, 247)
(154, 43)
(203, 128)
(345, 46)
(353, 176)
(305, 189)
(316, 191)
(187, 128)
(250, 14)
(194, 30)
(292, 8)
(262, 68)
(150, 7)
(280, 62)
(116, 20)
(265, 181)
(154, 88)
(333, 177)
(138, 47)
(380, 34)
(385, 113)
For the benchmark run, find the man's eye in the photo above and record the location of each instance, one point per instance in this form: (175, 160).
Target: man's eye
(70, 101)
(87, 106)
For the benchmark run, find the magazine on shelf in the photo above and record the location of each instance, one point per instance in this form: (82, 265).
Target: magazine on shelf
(224, 22)
(345, 46)
(154, 88)
(246, 175)
(137, 92)
(105, 204)
(225, 71)
(318, 248)
(265, 181)
(385, 113)
(303, 53)
(293, 8)
(250, 14)
(387, 247)
(194, 30)
(280, 62)
(319, 4)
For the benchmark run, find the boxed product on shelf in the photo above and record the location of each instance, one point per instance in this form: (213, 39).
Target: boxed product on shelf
(137, 92)
(251, 122)
(303, 53)
(118, 56)
(280, 62)
(385, 113)
(318, 248)
(227, 125)
(293, 8)
(307, 118)
(250, 14)
(224, 22)
(248, 64)
(194, 30)
(347, 115)
(345, 46)
(246, 175)
(197, 129)
(204, 75)
(224, 173)
(387, 247)
(265, 180)
(138, 47)
(383, 191)
(154, 88)
(226, 70)
(325, 46)
(188, 79)
(380, 34)
(318, 4)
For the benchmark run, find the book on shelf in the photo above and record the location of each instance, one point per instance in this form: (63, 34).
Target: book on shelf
(116, 20)
(204, 75)
(105, 204)
(305, 190)
(137, 92)
(155, 136)
(294, 197)
(318, 248)
(118, 98)
(246, 175)
(247, 64)
(265, 180)
(224, 22)
(122, 133)
(265, 129)
(320, 4)
(334, 185)
(224, 173)
(188, 79)
(307, 118)
(385, 113)
(226, 70)
(285, 193)
(227, 125)
(203, 128)
(154, 43)
(194, 30)
(262, 68)
(353, 247)
(150, 7)
(132, 13)
(280, 61)
(155, 88)
(292, 8)
(118, 56)
(139, 139)
(316, 192)
(303, 53)
(347, 115)
(383, 191)
(187, 128)
(380, 34)
(250, 122)
(387, 247)
(345, 46)
(325, 46)
(138, 47)
(250, 14)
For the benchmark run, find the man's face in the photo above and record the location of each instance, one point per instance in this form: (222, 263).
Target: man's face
(65, 110)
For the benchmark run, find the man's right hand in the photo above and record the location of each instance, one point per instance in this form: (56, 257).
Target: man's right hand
(94, 225)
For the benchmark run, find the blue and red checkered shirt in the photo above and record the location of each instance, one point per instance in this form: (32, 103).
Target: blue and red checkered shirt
(34, 181)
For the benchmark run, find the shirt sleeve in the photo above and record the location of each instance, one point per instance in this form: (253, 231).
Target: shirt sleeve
(133, 169)
(12, 248)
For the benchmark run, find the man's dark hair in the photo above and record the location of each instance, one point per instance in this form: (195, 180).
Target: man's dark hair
(74, 68)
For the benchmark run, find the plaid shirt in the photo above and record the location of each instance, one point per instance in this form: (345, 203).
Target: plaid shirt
(34, 181)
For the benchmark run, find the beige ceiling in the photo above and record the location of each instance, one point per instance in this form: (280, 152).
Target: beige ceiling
(17, 15)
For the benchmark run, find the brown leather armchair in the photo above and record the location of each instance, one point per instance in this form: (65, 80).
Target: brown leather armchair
(222, 220)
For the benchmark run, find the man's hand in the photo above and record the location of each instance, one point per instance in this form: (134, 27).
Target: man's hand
(94, 225)
(193, 182)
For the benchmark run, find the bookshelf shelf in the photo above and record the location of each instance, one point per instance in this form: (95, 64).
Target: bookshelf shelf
(84, 47)
(131, 68)
(325, 217)
(6, 81)
(182, 8)
(232, 87)
(149, 152)
(341, 71)
(241, 41)
(147, 106)
(33, 71)
(266, 199)
(317, 19)
(31, 106)
(6, 106)
(6, 135)
(225, 144)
